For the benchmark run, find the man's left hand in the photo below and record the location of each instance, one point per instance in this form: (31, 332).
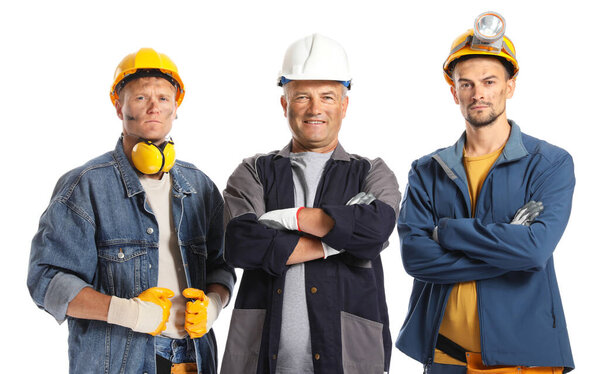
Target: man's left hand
(201, 313)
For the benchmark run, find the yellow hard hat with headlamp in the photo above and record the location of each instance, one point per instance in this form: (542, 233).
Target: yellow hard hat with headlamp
(485, 38)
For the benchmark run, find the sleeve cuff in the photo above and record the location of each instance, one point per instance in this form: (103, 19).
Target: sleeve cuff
(343, 228)
(222, 277)
(62, 289)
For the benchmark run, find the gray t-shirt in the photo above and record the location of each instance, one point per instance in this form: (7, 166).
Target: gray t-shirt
(295, 355)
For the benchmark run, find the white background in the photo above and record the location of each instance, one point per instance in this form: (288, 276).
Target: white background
(57, 61)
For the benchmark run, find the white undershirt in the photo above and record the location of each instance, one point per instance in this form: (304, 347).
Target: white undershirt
(170, 266)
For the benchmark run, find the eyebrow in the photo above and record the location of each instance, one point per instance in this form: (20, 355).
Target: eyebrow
(331, 92)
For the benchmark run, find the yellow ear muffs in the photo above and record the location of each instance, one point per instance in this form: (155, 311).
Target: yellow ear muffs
(149, 158)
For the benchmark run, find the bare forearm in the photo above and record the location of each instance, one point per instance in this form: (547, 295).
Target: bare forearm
(315, 221)
(307, 249)
(89, 304)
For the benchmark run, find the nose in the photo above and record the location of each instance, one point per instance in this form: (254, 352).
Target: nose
(478, 92)
(153, 105)
(315, 108)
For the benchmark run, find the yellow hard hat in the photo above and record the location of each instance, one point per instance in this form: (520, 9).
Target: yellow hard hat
(486, 38)
(146, 62)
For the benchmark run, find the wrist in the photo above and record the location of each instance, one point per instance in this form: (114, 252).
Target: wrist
(298, 217)
(122, 312)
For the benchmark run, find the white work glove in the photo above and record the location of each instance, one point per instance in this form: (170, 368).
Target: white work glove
(148, 313)
(527, 213)
(282, 219)
(201, 313)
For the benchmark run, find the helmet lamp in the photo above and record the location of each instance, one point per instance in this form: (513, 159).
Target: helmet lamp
(488, 31)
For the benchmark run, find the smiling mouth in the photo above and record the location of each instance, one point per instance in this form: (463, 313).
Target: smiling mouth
(314, 122)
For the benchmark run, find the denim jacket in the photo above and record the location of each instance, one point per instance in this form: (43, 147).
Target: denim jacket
(521, 316)
(100, 232)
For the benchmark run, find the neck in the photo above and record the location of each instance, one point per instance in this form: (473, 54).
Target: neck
(487, 139)
(298, 148)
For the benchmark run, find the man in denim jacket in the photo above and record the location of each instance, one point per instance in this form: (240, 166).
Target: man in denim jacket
(126, 223)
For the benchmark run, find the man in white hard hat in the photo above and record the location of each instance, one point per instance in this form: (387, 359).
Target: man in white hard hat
(307, 224)
(129, 236)
(478, 227)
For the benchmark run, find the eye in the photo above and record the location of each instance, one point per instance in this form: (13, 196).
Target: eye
(465, 85)
(329, 98)
(139, 97)
(489, 83)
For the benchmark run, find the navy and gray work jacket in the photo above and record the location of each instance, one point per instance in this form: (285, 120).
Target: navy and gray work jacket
(345, 293)
(520, 311)
(100, 232)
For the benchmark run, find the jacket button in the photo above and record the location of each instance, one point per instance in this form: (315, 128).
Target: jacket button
(313, 290)
(279, 291)
(317, 356)
(149, 230)
(274, 357)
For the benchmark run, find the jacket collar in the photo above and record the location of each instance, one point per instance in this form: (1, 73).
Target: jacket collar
(132, 181)
(451, 158)
(339, 154)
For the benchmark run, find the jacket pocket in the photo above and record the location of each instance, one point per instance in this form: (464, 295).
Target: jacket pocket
(243, 342)
(362, 345)
(123, 270)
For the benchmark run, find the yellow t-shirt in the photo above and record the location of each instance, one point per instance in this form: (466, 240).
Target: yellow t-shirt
(461, 318)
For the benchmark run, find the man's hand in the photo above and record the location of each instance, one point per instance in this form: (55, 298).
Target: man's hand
(148, 313)
(201, 313)
(282, 219)
(527, 213)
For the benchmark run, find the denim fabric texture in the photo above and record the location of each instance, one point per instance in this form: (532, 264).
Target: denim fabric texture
(175, 350)
(100, 232)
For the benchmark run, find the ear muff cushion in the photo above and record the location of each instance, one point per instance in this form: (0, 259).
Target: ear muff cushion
(169, 156)
(147, 158)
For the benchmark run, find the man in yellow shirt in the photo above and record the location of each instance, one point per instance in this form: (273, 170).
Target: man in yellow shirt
(478, 226)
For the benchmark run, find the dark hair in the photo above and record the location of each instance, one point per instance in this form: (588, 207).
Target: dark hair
(508, 66)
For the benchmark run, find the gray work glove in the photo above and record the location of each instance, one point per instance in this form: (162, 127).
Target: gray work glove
(527, 213)
(434, 235)
(361, 198)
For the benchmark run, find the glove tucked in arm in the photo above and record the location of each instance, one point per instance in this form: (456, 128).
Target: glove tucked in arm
(148, 313)
(201, 313)
(282, 219)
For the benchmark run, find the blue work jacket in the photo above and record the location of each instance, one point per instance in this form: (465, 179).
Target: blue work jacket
(100, 232)
(345, 294)
(520, 311)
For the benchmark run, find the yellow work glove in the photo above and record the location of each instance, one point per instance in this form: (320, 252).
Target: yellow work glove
(201, 313)
(148, 313)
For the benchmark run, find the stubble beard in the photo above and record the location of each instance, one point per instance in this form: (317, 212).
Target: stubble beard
(491, 118)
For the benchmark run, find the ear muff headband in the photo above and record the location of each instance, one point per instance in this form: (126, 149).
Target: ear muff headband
(149, 158)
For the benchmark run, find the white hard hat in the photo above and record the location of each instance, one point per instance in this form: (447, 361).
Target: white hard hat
(315, 57)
